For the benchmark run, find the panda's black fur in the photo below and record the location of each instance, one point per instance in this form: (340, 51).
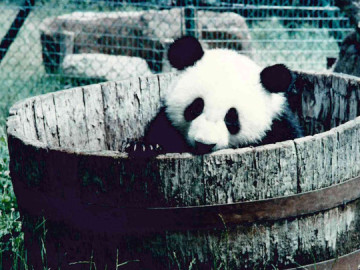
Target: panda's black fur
(163, 135)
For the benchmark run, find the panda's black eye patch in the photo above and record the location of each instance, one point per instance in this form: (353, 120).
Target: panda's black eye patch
(194, 109)
(232, 121)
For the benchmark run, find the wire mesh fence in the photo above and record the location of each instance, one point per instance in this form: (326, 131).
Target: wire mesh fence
(75, 42)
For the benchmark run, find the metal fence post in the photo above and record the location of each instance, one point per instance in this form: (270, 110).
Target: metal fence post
(15, 27)
(190, 19)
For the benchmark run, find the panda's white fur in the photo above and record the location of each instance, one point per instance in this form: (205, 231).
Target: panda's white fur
(220, 99)
(223, 79)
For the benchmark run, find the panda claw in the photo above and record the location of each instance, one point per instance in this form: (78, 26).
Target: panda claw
(142, 150)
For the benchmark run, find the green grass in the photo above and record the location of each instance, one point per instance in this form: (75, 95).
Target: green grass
(11, 237)
(22, 75)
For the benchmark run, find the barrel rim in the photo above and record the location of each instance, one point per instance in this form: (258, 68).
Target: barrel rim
(12, 119)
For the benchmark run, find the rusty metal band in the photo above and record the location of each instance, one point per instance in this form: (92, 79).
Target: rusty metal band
(348, 261)
(132, 219)
(261, 210)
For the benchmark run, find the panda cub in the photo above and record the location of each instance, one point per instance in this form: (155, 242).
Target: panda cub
(221, 99)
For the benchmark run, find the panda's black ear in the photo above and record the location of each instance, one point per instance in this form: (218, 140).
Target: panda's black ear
(184, 52)
(277, 78)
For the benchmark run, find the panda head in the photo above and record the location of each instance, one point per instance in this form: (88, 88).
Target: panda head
(222, 99)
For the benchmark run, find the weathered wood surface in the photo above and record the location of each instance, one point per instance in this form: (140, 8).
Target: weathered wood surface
(64, 152)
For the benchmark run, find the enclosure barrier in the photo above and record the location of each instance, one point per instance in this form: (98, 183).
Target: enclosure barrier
(282, 205)
(80, 42)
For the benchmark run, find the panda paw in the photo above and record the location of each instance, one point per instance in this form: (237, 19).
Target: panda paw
(139, 149)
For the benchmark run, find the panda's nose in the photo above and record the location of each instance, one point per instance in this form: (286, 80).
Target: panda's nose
(203, 148)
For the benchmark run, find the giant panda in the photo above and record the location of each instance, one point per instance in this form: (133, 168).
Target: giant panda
(221, 99)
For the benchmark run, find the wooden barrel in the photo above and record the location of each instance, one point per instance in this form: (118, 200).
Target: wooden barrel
(84, 203)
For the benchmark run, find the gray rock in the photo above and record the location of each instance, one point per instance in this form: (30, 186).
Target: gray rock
(103, 66)
(348, 61)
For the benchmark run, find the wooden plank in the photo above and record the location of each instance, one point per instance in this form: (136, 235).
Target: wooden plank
(339, 101)
(130, 104)
(353, 101)
(128, 108)
(322, 105)
(276, 171)
(322, 236)
(27, 120)
(251, 173)
(12, 125)
(94, 115)
(317, 161)
(71, 121)
(110, 111)
(149, 99)
(50, 121)
(39, 120)
(198, 247)
(182, 179)
(229, 176)
(283, 241)
(348, 150)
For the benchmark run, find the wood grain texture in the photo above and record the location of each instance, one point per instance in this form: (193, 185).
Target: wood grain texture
(50, 120)
(128, 107)
(94, 115)
(70, 117)
(66, 160)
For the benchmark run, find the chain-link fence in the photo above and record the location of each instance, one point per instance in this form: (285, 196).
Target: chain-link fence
(66, 43)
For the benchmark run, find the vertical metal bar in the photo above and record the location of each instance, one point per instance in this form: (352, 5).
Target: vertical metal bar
(15, 27)
(190, 19)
